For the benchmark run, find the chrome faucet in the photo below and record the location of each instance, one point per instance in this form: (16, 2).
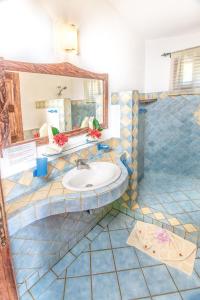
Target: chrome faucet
(82, 164)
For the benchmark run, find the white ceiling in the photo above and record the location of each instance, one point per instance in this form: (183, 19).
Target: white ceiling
(160, 18)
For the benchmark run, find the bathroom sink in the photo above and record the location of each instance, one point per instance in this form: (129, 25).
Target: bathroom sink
(99, 174)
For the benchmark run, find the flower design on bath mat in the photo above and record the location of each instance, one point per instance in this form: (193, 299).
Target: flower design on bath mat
(162, 236)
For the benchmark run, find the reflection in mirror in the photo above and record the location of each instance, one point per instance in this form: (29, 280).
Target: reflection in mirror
(44, 100)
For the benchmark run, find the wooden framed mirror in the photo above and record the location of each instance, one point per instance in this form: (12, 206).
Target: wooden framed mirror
(23, 100)
(62, 95)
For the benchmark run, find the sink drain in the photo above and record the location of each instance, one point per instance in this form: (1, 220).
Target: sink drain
(89, 185)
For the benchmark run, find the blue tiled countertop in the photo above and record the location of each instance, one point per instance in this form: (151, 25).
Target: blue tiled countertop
(53, 199)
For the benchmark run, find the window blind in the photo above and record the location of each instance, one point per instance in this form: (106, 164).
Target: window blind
(93, 88)
(185, 69)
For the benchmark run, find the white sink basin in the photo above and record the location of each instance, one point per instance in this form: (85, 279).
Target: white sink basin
(99, 175)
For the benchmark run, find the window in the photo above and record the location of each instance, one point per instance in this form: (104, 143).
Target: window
(185, 69)
(93, 88)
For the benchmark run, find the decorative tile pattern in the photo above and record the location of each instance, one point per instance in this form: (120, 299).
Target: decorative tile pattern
(129, 139)
(131, 274)
(53, 198)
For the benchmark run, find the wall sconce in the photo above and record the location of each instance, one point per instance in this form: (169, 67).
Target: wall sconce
(70, 42)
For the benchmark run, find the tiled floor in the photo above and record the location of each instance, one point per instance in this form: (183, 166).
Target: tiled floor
(172, 200)
(107, 269)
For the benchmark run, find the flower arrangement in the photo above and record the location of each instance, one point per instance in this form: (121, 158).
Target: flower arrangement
(95, 132)
(60, 139)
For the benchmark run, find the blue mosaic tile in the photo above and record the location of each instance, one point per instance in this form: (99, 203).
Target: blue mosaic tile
(192, 194)
(191, 295)
(125, 258)
(174, 296)
(188, 206)
(101, 242)
(105, 286)
(159, 280)
(63, 263)
(44, 283)
(146, 260)
(106, 220)
(22, 288)
(164, 198)
(172, 208)
(94, 232)
(32, 279)
(102, 261)
(89, 200)
(121, 221)
(113, 212)
(26, 296)
(55, 291)
(179, 196)
(132, 284)
(119, 238)
(195, 216)
(80, 267)
(78, 288)
(80, 246)
(183, 281)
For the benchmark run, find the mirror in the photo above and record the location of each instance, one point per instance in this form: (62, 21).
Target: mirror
(52, 95)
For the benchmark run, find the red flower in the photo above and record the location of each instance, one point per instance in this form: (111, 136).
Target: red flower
(94, 133)
(60, 139)
(36, 135)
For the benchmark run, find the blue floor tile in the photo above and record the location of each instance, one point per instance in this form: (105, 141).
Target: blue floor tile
(197, 263)
(43, 284)
(188, 206)
(114, 212)
(195, 217)
(132, 284)
(164, 198)
(80, 246)
(105, 287)
(159, 280)
(101, 242)
(179, 196)
(172, 208)
(146, 260)
(106, 220)
(183, 281)
(55, 291)
(192, 194)
(94, 232)
(26, 296)
(102, 261)
(119, 238)
(191, 295)
(184, 218)
(80, 267)
(120, 222)
(125, 258)
(174, 296)
(63, 263)
(78, 288)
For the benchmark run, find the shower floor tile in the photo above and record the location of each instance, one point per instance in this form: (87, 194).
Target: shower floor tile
(182, 205)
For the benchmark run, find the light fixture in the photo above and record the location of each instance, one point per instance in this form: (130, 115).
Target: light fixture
(70, 42)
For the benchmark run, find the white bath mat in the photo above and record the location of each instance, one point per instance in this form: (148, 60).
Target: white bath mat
(164, 246)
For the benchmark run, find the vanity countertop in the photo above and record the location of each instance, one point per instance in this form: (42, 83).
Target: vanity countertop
(52, 198)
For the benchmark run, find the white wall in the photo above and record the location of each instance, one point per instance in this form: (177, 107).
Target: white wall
(28, 32)
(157, 68)
(38, 87)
